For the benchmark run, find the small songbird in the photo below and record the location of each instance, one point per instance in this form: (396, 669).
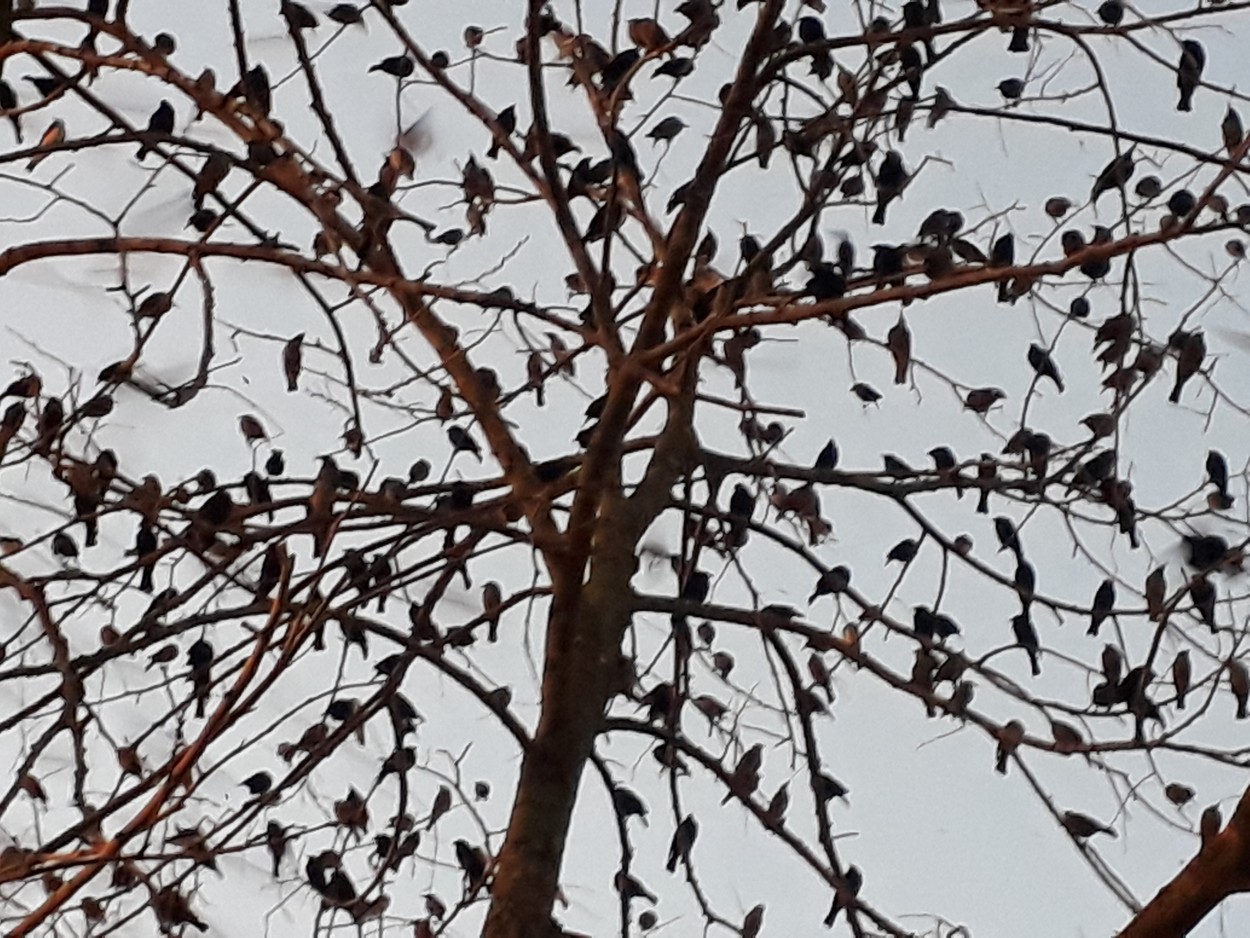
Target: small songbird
(1082, 826)
(891, 178)
(52, 137)
(292, 361)
(683, 839)
(160, 124)
(1044, 365)
(1115, 174)
(1189, 72)
(1104, 601)
(898, 341)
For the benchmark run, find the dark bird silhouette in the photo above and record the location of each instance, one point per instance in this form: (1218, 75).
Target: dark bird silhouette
(462, 441)
(1189, 72)
(1044, 365)
(1008, 538)
(1182, 672)
(1082, 826)
(903, 552)
(1104, 601)
(1026, 638)
(683, 839)
(399, 66)
(844, 894)
(1192, 349)
(898, 341)
(1114, 175)
(891, 178)
(292, 361)
(1202, 592)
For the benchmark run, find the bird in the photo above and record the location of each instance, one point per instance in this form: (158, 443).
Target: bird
(1156, 591)
(903, 552)
(160, 124)
(258, 783)
(898, 341)
(1192, 350)
(1009, 738)
(154, 305)
(1231, 128)
(292, 359)
(827, 458)
(1044, 365)
(683, 839)
(1104, 602)
(745, 777)
(1026, 638)
(399, 66)
(628, 804)
(1189, 72)
(1114, 175)
(462, 441)
(665, 130)
(1182, 671)
(252, 429)
(492, 603)
(52, 137)
(891, 178)
(1082, 826)
(506, 120)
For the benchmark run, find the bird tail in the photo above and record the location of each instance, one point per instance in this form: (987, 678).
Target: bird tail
(878, 217)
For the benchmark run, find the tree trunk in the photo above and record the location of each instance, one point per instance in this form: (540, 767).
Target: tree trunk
(583, 639)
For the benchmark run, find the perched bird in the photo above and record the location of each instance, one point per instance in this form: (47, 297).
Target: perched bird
(827, 458)
(1114, 175)
(1156, 592)
(745, 777)
(1189, 72)
(1008, 538)
(980, 400)
(898, 341)
(665, 130)
(292, 360)
(1044, 365)
(52, 137)
(1192, 349)
(1082, 826)
(683, 839)
(1231, 128)
(1181, 675)
(399, 66)
(462, 441)
(1010, 736)
(891, 178)
(1104, 602)
(492, 602)
(160, 124)
(628, 804)
(844, 894)
(904, 551)
(252, 429)
(1026, 638)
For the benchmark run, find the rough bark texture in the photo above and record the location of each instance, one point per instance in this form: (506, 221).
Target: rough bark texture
(1221, 869)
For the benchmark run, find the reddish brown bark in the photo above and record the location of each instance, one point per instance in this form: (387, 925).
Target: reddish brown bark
(1221, 869)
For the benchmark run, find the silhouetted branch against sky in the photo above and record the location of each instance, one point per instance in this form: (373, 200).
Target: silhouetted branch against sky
(623, 468)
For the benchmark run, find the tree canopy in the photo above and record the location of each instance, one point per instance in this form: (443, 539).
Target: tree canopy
(456, 461)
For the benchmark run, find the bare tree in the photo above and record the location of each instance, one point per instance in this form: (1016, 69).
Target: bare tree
(543, 288)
